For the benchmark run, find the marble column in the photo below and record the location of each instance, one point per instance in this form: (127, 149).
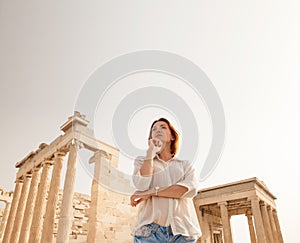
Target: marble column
(266, 222)
(273, 225)
(48, 226)
(25, 230)
(66, 212)
(251, 227)
(225, 222)
(21, 208)
(39, 207)
(13, 210)
(4, 219)
(95, 229)
(279, 235)
(258, 221)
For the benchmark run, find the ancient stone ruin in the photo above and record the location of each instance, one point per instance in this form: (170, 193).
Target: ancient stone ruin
(216, 205)
(38, 211)
(36, 214)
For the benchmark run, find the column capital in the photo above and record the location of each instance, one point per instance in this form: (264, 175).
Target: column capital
(36, 169)
(28, 174)
(47, 162)
(248, 213)
(60, 154)
(254, 198)
(20, 180)
(262, 203)
(78, 144)
(98, 155)
(224, 203)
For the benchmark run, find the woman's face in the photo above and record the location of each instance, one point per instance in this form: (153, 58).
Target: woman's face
(161, 131)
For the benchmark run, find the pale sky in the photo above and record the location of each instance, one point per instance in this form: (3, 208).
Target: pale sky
(249, 50)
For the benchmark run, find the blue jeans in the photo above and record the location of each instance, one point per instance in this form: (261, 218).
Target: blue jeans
(154, 233)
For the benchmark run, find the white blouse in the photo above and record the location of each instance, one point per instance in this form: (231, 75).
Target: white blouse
(178, 212)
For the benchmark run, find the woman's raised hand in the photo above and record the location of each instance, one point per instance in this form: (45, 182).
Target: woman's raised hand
(155, 146)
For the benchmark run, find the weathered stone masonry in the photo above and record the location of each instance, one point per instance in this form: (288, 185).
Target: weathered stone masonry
(36, 214)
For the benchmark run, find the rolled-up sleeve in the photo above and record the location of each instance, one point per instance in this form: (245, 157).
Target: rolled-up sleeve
(189, 181)
(141, 183)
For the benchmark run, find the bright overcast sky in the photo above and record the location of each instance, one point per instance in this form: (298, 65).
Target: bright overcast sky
(249, 50)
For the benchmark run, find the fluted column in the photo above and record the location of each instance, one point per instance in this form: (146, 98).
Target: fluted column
(225, 222)
(13, 210)
(266, 221)
(4, 219)
(273, 225)
(39, 208)
(251, 227)
(48, 226)
(95, 230)
(279, 235)
(25, 230)
(66, 214)
(258, 221)
(21, 208)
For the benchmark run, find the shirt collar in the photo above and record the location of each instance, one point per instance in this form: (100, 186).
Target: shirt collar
(159, 159)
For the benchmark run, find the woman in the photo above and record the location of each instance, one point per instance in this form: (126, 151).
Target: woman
(165, 190)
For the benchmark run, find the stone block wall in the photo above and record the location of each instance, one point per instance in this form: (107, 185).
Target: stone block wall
(118, 217)
(81, 204)
(116, 222)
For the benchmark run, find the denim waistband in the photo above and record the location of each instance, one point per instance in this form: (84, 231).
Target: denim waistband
(155, 226)
(148, 229)
(157, 232)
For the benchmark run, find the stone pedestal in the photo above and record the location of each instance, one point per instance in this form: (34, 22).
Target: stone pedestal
(13, 211)
(66, 214)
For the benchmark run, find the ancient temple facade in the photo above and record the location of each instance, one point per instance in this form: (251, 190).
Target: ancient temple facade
(217, 205)
(39, 211)
(33, 211)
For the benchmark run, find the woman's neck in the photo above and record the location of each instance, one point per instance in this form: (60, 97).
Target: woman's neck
(165, 155)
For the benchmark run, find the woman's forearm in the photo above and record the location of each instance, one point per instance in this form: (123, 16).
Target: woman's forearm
(174, 191)
(147, 167)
